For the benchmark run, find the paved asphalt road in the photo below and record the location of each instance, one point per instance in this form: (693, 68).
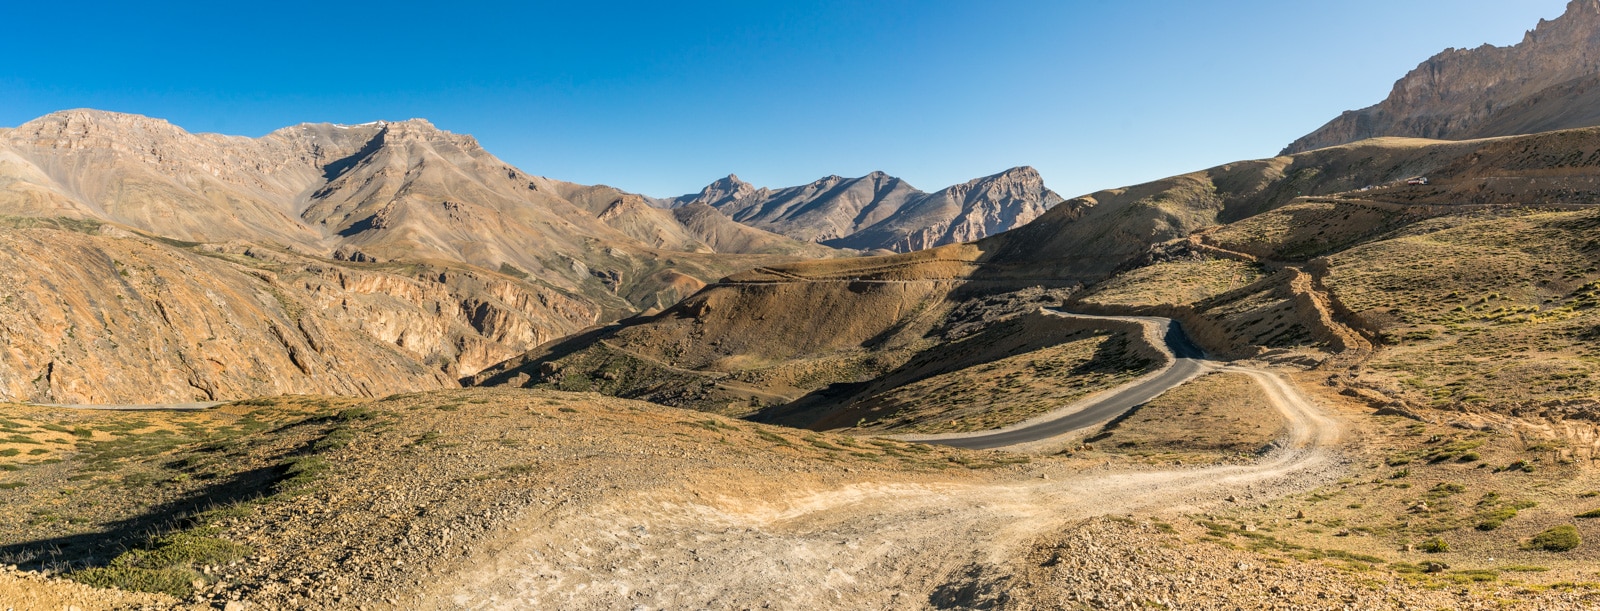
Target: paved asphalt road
(1190, 361)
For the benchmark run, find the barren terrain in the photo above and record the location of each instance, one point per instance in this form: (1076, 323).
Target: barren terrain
(432, 381)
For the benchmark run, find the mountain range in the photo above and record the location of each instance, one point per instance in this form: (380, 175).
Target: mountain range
(343, 259)
(882, 212)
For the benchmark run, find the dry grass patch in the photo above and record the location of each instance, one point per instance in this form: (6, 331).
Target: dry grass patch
(1482, 311)
(1173, 283)
(1218, 417)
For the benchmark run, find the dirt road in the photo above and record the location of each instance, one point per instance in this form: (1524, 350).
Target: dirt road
(883, 545)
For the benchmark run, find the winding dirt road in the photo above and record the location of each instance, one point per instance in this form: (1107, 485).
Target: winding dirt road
(881, 545)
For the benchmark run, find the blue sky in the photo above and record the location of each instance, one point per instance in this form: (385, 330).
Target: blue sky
(664, 97)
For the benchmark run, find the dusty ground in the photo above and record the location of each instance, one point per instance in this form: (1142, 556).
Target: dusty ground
(487, 499)
(27, 590)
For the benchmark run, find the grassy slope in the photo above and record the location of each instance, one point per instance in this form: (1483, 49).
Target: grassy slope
(1218, 417)
(1498, 312)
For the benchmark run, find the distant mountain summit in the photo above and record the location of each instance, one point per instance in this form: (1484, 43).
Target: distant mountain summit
(1549, 81)
(879, 211)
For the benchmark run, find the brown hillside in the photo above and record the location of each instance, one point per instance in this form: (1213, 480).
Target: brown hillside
(426, 207)
(109, 317)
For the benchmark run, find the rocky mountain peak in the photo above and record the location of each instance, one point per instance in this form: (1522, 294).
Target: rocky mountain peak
(1548, 81)
(1022, 181)
(723, 190)
(422, 130)
(730, 182)
(1021, 173)
(89, 128)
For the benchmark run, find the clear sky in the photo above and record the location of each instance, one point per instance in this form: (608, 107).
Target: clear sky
(664, 97)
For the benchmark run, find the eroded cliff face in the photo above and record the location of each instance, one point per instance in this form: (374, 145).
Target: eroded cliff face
(109, 317)
(1546, 82)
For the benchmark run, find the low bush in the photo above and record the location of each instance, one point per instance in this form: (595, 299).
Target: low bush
(167, 566)
(1557, 539)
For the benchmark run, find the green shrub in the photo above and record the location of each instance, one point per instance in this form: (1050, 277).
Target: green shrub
(1434, 546)
(1495, 519)
(1521, 465)
(335, 439)
(357, 413)
(173, 582)
(183, 549)
(167, 566)
(1592, 513)
(1557, 539)
(301, 473)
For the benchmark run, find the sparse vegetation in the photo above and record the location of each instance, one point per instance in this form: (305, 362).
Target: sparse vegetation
(167, 565)
(1561, 538)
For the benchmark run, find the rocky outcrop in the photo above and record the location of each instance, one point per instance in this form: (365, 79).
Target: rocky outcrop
(1546, 82)
(879, 211)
